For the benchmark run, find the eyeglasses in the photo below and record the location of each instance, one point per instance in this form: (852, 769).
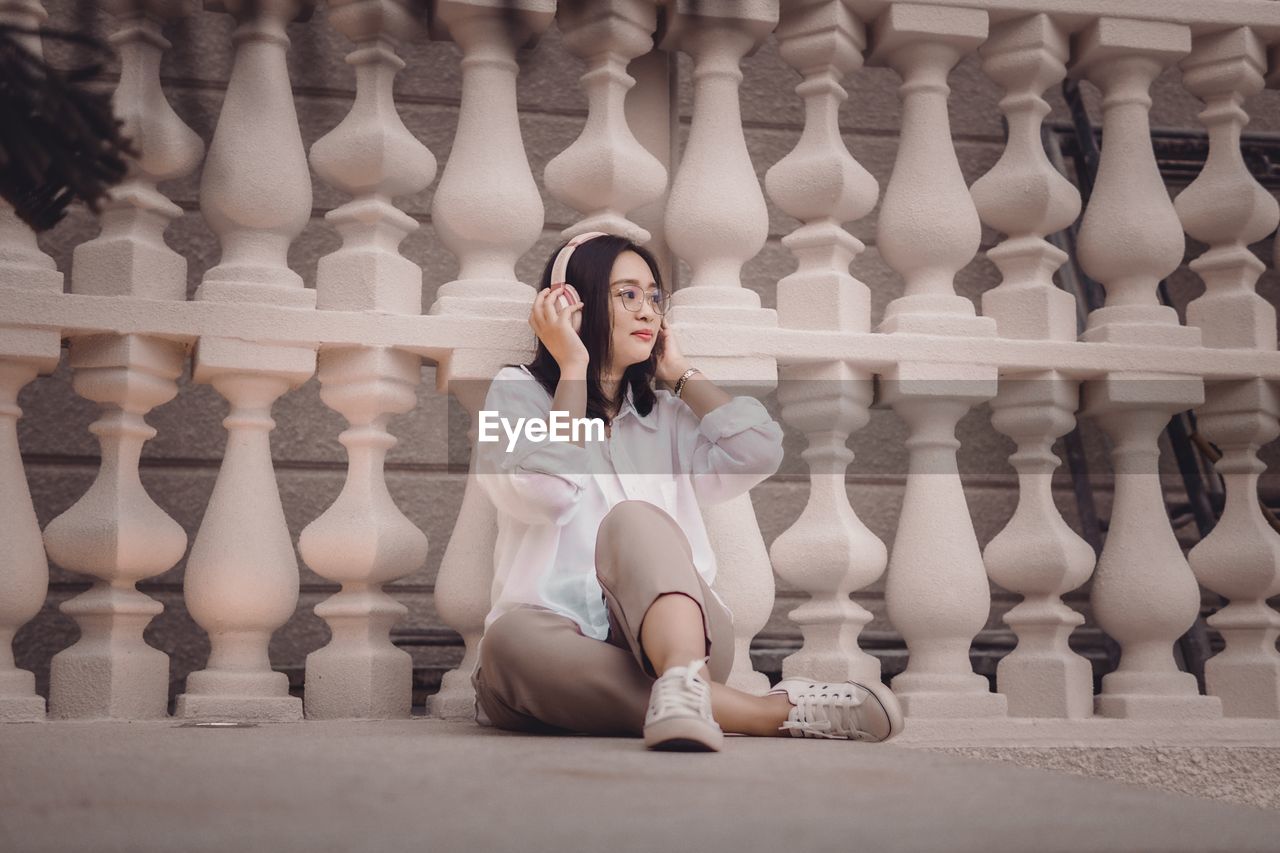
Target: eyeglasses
(632, 298)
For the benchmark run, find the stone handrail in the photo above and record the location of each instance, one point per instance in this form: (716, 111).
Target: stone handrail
(254, 332)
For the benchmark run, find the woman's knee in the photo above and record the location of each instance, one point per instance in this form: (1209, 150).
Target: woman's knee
(509, 654)
(628, 516)
(633, 529)
(508, 640)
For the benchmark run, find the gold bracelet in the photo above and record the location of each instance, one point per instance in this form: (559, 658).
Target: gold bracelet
(684, 377)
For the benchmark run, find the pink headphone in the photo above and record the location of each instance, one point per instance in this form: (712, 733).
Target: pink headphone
(560, 268)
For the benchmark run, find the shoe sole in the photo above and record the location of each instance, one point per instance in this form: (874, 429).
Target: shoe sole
(683, 735)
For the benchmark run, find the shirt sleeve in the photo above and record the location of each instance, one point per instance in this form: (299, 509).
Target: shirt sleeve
(537, 482)
(732, 449)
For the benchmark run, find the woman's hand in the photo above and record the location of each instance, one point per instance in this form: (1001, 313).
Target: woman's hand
(671, 362)
(554, 326)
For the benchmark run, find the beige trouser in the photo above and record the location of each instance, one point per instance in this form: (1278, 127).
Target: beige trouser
(539, 673)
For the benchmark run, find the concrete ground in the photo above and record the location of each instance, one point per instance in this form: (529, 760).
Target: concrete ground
(426, 784)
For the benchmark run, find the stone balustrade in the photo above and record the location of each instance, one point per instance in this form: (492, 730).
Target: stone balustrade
(255, 330)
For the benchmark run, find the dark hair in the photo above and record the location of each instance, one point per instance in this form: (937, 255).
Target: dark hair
(589, 269)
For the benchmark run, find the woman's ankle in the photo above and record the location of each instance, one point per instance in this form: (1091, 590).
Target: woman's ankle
(776, 713)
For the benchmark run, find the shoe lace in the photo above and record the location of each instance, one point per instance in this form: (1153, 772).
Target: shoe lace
(681, 692)
(817, 714)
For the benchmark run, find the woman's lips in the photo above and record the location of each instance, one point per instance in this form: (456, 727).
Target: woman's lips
(645, 336)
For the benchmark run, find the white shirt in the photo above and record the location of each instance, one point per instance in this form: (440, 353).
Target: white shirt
(552, 496)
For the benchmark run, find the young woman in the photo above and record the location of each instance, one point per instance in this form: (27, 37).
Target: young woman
(603, 618)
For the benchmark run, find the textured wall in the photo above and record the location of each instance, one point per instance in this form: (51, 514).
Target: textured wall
(180, 464)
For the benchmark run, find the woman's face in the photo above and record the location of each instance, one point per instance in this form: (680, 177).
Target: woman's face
(634, 333)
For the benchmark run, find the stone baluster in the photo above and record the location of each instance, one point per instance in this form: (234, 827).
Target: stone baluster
(1130, 254)
(487, 209)
(937, 591)
(363, 540)
(606, 172)
(1036, 554)
(1240, 559)
(716, 216)
(115, 533)
(651, 116)
(716, 220)
(1144, 594)
(1023, 196)
(1227, 209)
(24, 573)
(828, 552)
(24, 353)
(241, 580)
(488, 212)
(464, 587)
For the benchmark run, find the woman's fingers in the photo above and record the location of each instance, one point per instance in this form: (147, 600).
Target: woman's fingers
(563, 299)
(541, 313)
(547, 307)
(546, 312)
(564, 316)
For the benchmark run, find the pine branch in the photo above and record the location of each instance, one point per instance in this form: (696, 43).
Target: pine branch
(59, 141)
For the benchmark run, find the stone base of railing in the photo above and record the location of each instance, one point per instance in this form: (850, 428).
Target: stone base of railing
(1093, 732)
(277, 709)
(940, 704)
(1187, 708)
(1235, 760)
(455, 701)
(21, 709)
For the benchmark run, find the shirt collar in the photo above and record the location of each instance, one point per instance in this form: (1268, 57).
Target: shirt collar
(628, 407)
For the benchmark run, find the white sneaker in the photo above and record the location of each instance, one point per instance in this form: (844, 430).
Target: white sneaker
(843, 710)
(679, 716)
